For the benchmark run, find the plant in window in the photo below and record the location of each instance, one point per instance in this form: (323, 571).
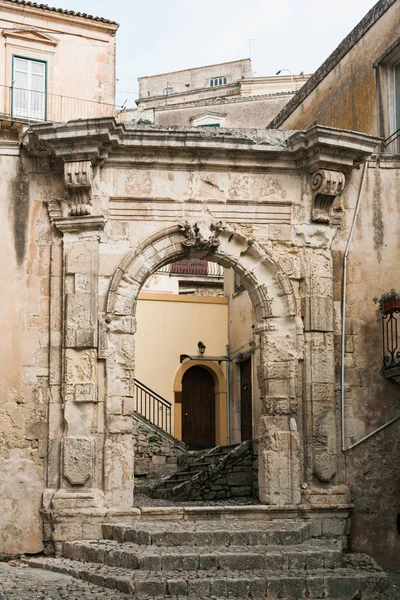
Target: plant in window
(389, 302)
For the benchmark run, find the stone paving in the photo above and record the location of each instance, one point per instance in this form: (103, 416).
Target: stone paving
(19, 582)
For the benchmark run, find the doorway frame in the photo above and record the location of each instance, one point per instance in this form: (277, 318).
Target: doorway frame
(221, 424)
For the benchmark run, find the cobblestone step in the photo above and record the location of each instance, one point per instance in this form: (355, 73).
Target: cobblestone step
(364, 581)
(205, 533)
(315, 554)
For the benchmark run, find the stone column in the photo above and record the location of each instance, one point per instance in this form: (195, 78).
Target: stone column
(120, 368)
(82, 440)
(319, 369)
(279, 449)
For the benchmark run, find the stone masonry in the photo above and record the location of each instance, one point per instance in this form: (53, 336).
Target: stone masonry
(156, 452)
(114, 205)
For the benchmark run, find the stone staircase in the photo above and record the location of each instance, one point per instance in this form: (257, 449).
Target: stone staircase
(216, 557)
(221, 472)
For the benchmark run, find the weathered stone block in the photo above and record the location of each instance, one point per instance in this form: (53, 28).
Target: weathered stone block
(78, 456)
(85, 392)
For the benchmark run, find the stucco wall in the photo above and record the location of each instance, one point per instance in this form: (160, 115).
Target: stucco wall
(80, 58)
(196, 78)
(241, 113)
(171, 325)
(347, 97)
(23, 354)
(371, 469)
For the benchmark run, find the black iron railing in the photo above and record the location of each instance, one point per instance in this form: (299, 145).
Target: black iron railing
(34, 106)
(392, 144)
(390, 340)
(151, 405)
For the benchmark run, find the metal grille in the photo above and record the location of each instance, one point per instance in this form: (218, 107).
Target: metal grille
(391, 351)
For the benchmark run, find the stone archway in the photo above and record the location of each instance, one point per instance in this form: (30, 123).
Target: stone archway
(274, 308)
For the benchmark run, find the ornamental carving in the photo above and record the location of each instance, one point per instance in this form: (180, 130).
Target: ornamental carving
(326, 186)
(201, 236)
(78, 178)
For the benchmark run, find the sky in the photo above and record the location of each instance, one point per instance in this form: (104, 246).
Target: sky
(157, 36)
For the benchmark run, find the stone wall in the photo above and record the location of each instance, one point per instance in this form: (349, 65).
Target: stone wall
(232, 476)
(24, 318)
(121, 203)
(156, 452)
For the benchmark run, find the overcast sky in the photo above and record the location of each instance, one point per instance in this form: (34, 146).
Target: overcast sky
(156, 36)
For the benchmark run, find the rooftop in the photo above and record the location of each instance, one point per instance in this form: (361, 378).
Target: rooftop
(61, 10)
(230, 62)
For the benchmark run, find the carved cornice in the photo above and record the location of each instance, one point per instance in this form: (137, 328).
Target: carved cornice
(78, 179)
(86, 223)
(320, 147)
(326, 186)
(100, 140)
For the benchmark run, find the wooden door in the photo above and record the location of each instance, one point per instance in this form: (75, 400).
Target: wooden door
(246, 404)
(198, 408)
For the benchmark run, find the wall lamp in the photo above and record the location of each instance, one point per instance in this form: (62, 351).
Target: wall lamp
(201, 348)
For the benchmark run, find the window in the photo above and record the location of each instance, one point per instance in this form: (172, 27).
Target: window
(394, 105)
(168, 91)
(209, 119)
(217, 81)
(238, 284)
(29, 88)
(388, 89)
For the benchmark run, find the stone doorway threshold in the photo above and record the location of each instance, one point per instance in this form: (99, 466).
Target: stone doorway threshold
(142, 500)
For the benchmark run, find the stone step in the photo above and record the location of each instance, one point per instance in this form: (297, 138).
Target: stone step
(314, 554)
(243, 532)
(366, 582)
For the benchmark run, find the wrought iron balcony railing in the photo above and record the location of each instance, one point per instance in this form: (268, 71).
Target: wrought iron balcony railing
(390, 340)
(29, 106)
(194, 267)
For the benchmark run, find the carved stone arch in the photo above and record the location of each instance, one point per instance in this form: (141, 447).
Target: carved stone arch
(225, 246)
(274, 308)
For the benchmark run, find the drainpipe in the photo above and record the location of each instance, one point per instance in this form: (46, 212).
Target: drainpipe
(343, 340)
(228, 397)
(344, 297)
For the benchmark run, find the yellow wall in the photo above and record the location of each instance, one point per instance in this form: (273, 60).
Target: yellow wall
(170, 325)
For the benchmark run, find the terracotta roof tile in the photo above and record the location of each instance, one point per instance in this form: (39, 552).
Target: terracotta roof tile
(63, 11)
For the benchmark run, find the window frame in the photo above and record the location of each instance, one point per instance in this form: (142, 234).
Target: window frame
(38, 60)
(212, 81)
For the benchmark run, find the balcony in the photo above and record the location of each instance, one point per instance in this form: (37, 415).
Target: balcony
(29, 106)
(390, 340)
(193, 268)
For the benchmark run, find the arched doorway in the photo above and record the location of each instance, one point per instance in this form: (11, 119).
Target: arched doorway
(275, 309)
(198, 408)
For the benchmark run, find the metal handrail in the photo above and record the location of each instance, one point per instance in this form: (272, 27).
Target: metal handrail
(27, 105)
(153, 407)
